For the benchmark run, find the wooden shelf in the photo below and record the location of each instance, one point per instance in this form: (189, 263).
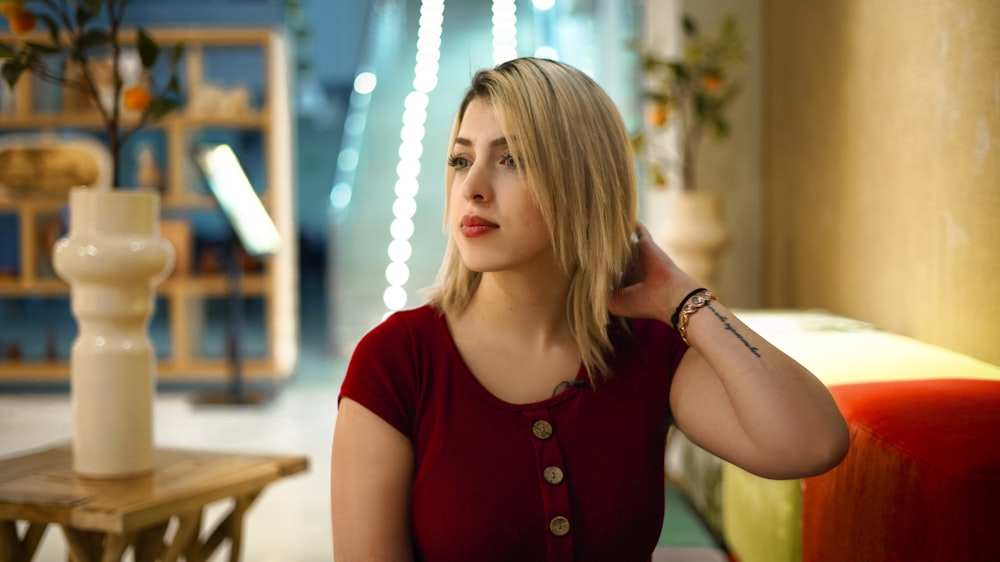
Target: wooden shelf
(182, 295)
(193, 372)
(214, 285)
(92, 120)
(20, 287)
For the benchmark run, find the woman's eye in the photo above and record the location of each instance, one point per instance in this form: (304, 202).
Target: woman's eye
(508, 160)
(458, 162)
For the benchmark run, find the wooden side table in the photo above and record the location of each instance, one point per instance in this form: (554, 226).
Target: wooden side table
(102, 519)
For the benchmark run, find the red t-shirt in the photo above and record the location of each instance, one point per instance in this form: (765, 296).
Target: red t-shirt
(576, 477)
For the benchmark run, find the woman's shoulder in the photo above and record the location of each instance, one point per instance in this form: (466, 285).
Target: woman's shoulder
(404, 327)
(386, 372)
(417, 319)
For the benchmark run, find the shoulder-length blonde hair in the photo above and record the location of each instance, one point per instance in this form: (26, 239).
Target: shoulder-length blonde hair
(575, 155)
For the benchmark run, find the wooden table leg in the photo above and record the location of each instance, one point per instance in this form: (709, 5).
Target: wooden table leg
(83, 546)
(236, 525)
(20, 548)
(148, 545)
(185, 540)
(231, 528)
(114, 547)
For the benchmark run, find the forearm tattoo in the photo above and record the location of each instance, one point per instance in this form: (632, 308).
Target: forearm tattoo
(729, 327)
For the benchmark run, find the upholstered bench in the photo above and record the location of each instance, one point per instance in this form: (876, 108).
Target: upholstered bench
(922, 478)
(762, 520)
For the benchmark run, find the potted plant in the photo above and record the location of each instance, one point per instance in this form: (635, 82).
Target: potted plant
(113, 255)
(687, 97)
(77, 34)
(690, 95)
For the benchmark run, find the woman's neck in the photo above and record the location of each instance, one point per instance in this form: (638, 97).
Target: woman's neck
(529, 305)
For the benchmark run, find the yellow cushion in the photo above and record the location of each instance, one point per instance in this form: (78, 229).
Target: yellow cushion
(761, 519)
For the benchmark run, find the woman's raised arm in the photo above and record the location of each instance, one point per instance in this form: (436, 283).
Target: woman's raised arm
(734, 393)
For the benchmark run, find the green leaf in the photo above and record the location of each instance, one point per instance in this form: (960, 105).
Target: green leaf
(41, 48)
(176, 54)
(679, 70)
(160, 107)
(93, 5)
(689, 25)
(94, 38)
(638, 141)
(12, 70)
(174, 85)
(149, 51)
(720, 128)
(84, 13)
(51, 26)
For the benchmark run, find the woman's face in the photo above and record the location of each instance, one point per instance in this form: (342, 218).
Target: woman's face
(492, 216)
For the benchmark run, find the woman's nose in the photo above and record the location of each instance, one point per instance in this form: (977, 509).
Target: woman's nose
(477, 185)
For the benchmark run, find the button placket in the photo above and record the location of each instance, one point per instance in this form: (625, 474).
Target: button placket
(554, 487)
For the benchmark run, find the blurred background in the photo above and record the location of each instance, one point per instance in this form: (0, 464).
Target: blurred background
(860, 176)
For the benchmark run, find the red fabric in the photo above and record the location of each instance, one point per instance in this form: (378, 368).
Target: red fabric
(921, 481)
(478, 493)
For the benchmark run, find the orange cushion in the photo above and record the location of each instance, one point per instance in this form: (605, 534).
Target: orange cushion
(922, 478)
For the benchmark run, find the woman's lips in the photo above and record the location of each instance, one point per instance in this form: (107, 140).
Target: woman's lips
(473, 226)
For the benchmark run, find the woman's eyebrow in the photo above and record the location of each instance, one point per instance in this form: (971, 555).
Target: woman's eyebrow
(499, 141)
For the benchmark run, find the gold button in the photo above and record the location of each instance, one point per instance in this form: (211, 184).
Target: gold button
(553, 475)
(542, 429)
(559, 526)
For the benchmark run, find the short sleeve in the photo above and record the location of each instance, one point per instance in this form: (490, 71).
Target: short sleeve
(381, 374)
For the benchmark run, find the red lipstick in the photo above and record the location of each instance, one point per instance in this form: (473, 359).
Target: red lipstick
(473, 226)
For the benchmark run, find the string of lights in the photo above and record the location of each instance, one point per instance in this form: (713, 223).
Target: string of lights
(504, 31)
(425, 78)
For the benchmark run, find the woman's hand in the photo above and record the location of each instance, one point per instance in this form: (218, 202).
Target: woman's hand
(654, 286)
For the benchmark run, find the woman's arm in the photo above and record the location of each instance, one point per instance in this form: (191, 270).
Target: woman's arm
(734, 393)
(370, 478)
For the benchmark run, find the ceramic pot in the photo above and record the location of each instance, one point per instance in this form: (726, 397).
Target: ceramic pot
(693, 233)
(113, 256)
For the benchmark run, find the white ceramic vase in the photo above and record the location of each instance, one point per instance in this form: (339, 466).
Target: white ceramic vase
(693, 232)
(113, 257)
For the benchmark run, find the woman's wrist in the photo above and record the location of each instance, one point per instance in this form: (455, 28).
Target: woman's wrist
(678, 310)
(698, 300)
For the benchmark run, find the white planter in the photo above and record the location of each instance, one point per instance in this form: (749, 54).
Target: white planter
(113, 257)
(692, 231)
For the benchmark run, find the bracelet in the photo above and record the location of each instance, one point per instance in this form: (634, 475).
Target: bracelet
(680, 306)
(693, 305)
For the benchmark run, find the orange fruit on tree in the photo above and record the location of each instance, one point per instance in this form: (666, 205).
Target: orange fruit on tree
(712, 82)
(23, 22)
(136, 98)
(658, 115)
(11, 8)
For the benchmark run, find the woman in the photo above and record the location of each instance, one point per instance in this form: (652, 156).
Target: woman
(522, 413)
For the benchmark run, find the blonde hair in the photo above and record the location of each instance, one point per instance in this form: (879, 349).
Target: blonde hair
(575, 155)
